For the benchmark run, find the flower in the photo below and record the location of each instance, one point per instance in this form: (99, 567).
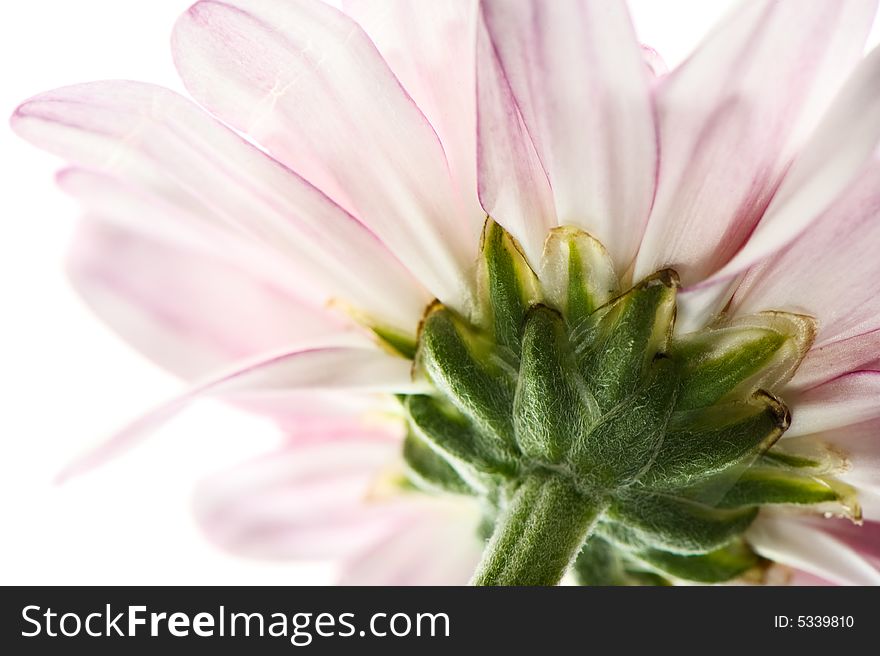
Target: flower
(304, 261)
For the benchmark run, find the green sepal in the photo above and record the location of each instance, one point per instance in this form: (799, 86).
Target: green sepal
(474, 378)
(601, 563)
(397, 341)
(624, 442)
(617, 343)
(428, 470)
(674, 524)
(510, 285)
(703, 443)
(577, 273)
(553, 408)
(760, 350)
(716, 566)
(771, 485)
(441, 425)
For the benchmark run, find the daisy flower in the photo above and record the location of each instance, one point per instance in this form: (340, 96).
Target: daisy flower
(526, 306)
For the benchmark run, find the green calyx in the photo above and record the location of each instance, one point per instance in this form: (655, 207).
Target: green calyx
(596, 440)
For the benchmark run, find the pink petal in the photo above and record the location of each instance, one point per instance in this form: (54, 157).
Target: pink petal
(276, 377)
(430, 48)
(828, 163)
(513, 185)
(803, 544)
(732, 116)
(439, 546)
(579, 82)
(836, 358)
(849, 399)
(188, 311)
(306, 82)
(309, 500)
(166, 147)
(830, 271)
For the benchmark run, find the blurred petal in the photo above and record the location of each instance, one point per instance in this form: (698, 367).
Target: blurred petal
(732, 116)
(430, 48)
(843, 401)
(190, 312)
(165, 145)
(801, 544)
(308, 500)
(830, 271)
(439, 546)
(579, 81)
(342, 368)
(307, 83)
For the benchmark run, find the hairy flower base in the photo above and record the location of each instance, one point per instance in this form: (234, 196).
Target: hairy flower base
(596, 437)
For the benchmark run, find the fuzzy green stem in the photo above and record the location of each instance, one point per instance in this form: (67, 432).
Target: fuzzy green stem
(539, 535)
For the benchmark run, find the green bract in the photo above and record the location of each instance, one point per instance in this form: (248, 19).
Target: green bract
(595, 437)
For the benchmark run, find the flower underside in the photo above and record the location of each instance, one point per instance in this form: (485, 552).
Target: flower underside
(596, 440)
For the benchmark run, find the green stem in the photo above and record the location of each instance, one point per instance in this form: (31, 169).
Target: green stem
(539, 535)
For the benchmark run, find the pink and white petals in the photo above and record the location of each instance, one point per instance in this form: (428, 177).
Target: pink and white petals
(430, 48)
(732, 117)
(829, 271)
(166, 147)
(191, 312)
(848, 399)
(305, 81)
(802, 543)
(310, 499)
(437, 546)
(273, 378)
(843, 142)
(574, 74)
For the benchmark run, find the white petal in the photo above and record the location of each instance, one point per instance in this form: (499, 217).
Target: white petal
(306, 82)
(580, 84)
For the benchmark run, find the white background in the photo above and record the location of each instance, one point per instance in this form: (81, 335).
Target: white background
(67, 381)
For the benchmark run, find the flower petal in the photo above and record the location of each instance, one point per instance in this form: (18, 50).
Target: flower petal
(579, 81)
(309, 499)
(732, 116)
(165, 146)
(512, 184)
(800, 543)
(341, 368)
(829, 271)
(843, 401)
(439, 546)
(829, 162)
(837, 358)
(306, 82)
(430, 48)
(189, 311)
